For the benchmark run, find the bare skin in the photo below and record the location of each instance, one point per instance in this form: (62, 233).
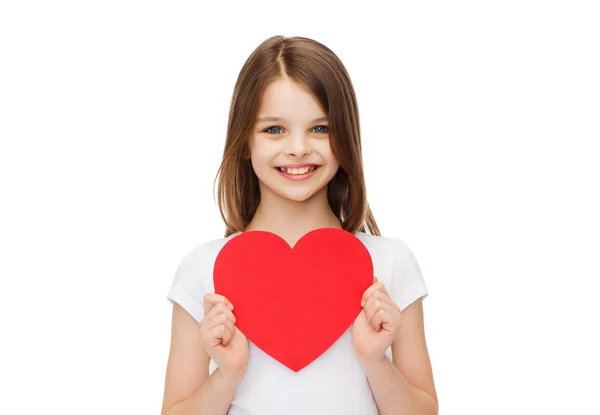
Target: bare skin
(291, 209)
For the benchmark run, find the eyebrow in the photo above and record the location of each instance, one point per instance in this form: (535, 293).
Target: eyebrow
(281, 119)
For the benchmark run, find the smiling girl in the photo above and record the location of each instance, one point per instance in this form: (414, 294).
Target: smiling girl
(292, 164)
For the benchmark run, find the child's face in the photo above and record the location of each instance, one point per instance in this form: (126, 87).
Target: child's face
(295, 139)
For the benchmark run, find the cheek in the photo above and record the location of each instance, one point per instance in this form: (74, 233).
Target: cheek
(332, 168)
(262, 157)
(260, 150)
(327, 154)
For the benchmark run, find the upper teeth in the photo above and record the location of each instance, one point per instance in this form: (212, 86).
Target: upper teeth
(301, 170)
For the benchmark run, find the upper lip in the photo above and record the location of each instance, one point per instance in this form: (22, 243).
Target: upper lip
(297, 166)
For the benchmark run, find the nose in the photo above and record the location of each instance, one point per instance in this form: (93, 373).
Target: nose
(297, 146)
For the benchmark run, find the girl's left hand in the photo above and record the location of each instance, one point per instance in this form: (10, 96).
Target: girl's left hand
(377, 325)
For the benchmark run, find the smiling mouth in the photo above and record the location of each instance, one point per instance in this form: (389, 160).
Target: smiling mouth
(298, 171)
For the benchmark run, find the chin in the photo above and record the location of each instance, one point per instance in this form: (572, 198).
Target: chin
(296, 195)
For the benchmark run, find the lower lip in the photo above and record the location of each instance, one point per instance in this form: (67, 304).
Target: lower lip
(298, 177)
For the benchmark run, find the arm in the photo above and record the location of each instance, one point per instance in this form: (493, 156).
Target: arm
(213, 397)
(405, 386)
(189, 390)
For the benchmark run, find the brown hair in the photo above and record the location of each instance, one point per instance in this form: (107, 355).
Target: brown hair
(308, 63)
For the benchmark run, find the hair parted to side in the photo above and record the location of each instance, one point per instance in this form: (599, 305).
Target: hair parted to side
(311, 64)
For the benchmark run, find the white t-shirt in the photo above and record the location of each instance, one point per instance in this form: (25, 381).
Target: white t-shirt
(334, 383)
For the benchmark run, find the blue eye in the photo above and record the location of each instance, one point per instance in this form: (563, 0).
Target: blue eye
(276, 126)
(267, 130)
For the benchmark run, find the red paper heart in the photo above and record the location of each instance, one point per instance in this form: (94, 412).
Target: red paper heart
(294, 303)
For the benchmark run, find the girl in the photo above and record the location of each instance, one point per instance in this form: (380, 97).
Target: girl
(292, 163)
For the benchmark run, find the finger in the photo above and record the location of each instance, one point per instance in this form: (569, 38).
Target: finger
(219, 335)
(216, 310)
(381, 287)
(215, 298)
(227, 335)
(378, 319)
(211, 300)
(375, 287)
(213, 336)
(374, 307)
(379, 295)
(383, 319)
(383, 290)
(223, 318)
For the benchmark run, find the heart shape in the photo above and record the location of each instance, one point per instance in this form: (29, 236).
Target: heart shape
(294, 303)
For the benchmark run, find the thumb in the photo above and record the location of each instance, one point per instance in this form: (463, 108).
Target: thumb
(375, 279)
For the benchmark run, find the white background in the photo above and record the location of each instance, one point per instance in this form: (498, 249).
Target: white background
(480, 126)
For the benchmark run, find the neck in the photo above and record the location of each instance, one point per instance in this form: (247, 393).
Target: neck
(291, 219)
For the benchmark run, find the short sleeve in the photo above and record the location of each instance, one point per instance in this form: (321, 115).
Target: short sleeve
(188, 287)
(407, 283)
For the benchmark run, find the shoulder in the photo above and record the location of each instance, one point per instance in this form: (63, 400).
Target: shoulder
(396, 268)
(385, 248)
(193, 278)
(204, 253)
(195, 269)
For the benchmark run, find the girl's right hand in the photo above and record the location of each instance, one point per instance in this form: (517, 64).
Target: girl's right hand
(222, 340)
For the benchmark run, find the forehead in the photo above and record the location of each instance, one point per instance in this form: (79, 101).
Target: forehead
(286, 100)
